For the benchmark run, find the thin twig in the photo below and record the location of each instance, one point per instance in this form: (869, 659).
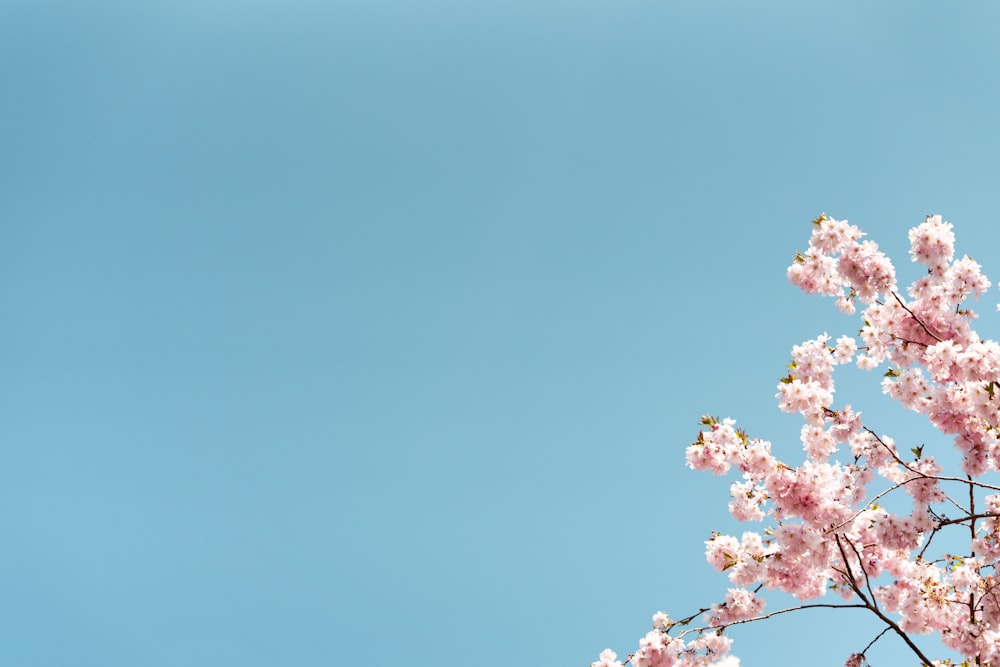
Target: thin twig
(762, 617)
(877, 637)
(861, 564)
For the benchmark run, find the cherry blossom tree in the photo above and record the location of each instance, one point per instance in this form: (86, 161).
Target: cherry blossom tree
(829, 539)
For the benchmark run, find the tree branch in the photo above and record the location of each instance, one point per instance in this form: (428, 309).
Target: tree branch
(917, 319)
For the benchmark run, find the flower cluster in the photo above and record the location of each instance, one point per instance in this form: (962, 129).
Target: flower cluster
(828, 531)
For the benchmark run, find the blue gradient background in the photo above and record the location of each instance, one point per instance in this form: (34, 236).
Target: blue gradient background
(374, 332)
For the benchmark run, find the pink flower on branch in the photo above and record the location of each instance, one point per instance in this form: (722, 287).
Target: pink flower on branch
(826, 528)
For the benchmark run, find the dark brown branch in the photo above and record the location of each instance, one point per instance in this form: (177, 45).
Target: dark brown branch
(877, 637)
(878, 612)
(818, 605)
(917, 319)
(971, 517)
(940, 478)
(861, 564)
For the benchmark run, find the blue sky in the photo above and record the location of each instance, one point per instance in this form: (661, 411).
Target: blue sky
(375, 331)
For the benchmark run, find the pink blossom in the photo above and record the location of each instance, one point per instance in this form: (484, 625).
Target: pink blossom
(740, 604)
(747, 501)
(722, 552)
(661, 621)
(728, 661)
(844, 352)
(657, 649)
(807, 398)
(932, 243)
(940, 359)
(608, 658)
(831, 522)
